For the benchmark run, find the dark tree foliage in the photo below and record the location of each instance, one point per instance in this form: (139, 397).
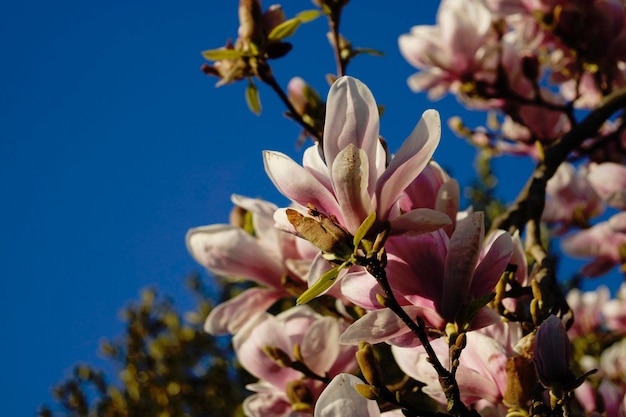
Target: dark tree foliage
(167, 367)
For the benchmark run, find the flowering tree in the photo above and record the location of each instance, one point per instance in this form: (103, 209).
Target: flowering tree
(374, 292)
(376, 250)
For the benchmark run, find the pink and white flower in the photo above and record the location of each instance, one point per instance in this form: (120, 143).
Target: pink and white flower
(266, 259)
(348, 177)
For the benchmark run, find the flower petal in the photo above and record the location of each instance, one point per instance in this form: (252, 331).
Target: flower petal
(230, 316)
(219, 247)
(352, 118)
(297, 183)
(419, 221)
(461, 260)
(350, 172)
(410, 160)
(341, 399)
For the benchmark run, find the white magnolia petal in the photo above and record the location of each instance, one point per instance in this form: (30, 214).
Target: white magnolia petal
(350, 172)
(375, 327)
(419, 221)
(262, 218)
(340, 399)
(351, 118)
(219, 247)
(230, 316)
(410, 160)
(296, 183)
(320, 347)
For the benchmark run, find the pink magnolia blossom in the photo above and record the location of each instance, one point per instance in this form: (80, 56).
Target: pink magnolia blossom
(315, 336)
(587, 308)
(608, 179)
(614, 311)
(570, 198)
(605, 242)
(351, 180)
(459, 48)
(432, 276)
(480, 376)
(266, 260)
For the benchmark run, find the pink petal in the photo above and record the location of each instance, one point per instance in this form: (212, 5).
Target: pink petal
(350, 171)
(262, 217)
(298, 184)
(410, 160)
(219, 247)
(352, 118)
(461, 260)
(448, 202)
(419, 221)
(320, 346)
(492, 265)
(231, 315)
(249, 342)
(609, 181)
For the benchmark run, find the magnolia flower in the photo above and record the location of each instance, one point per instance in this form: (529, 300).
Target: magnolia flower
(456, 50)
(605, 241)
(265, 347)
(267, 259)
(608, 179)
(587, 309)
(480, 376)
(570, 198)
(350, 180)
(614, 311)
(432, 276)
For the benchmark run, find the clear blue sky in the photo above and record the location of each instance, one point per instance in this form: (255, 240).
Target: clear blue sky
(113, 144)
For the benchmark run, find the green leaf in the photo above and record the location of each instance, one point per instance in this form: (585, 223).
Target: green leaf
(363, 229)
(252, 98)
(219, 54)
(284, 30)
(322, 284)
(308, 15)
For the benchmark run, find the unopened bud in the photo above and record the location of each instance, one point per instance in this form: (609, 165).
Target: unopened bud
(552, 353)
(368, 391)
(369, 365)
(521, 378)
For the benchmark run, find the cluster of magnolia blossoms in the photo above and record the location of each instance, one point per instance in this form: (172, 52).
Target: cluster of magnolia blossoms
(534, 62)
(380, 253)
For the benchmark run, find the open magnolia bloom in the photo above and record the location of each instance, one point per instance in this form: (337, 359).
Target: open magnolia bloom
(349, 178)
(267, 259)
(432, 276)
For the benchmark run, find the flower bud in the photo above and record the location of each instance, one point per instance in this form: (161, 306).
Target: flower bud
(552, 353)
(369, 365)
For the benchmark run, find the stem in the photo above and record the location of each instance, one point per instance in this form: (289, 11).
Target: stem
(264, 73)
(333, 21)
(446, 378)
(530, 201)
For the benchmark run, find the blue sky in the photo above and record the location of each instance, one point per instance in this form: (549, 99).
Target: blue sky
(113, 144)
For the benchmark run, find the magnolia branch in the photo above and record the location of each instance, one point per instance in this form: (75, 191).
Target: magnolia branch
(446, 378)
(530, 201)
